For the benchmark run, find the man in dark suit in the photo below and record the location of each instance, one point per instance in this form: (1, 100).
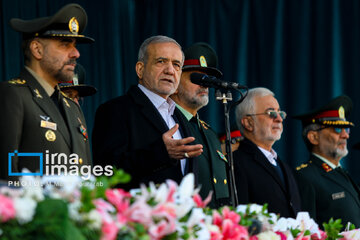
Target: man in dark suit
(210, 166)
(327, 190)
(36, 117)
(142, 132)
(260, 176)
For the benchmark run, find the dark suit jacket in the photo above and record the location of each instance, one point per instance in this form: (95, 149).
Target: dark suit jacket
(258, 182)
(210, 166)
(128, 134)
(329, 194)
(23, 105)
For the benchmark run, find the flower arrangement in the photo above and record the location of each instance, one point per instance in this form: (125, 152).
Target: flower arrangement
(70, 208)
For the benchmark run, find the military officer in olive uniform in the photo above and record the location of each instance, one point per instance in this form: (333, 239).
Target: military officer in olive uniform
(327, 190)
(210, 167)
(36, 116)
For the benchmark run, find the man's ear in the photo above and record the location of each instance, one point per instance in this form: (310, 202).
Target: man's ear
(36, 49)
(140, 69)
(248, 124)
(313, 137)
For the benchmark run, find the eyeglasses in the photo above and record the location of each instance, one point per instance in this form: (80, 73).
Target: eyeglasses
(272, 114)
(336, 129)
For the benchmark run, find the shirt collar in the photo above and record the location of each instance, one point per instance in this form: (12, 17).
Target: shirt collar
(332, 165)
(187, 115)
(269, 154)
(47, 87)
(157, 100)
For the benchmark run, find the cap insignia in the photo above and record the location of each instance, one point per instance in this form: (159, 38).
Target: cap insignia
(341, 112)
(74, 25)
(326, 167)
(203, 61)
(75, 80)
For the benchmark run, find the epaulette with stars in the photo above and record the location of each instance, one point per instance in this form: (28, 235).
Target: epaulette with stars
(304, 165)
(17, 81)
(204, 124)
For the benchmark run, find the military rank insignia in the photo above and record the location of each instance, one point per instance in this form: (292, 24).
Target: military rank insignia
(204, 124)
(17, 81)
(326, 167)
(38, 95)
(222, 156)
(304, 165)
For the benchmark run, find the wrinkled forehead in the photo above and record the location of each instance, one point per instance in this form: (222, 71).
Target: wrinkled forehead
(167, 50)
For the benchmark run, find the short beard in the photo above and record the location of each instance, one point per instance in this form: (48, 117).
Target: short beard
(338, 153)
(194, 102)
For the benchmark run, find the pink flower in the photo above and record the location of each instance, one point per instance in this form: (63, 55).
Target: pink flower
(233, 231)
(256, 238)
(323, 236)
(160, 230)
(140, 212)
(119, 198)
(302, 237)
(7, 210)
(282, 235)
(231, 215)
(199, 202)
(109, 230)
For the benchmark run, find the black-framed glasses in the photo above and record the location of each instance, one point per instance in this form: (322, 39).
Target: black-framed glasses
(336, 129)
(272, 114)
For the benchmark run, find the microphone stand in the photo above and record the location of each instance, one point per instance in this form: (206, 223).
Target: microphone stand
(225, 98)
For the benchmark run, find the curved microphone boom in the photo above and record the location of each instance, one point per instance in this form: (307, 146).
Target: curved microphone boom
(213, 82)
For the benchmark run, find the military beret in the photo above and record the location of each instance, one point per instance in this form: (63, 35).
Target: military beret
(333, 113)
(201, 56)
(69, 22)
(78, 83)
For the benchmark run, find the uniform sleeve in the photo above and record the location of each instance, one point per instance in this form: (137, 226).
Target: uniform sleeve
(11, 122)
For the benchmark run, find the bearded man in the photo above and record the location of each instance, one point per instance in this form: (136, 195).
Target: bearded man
(327, 190)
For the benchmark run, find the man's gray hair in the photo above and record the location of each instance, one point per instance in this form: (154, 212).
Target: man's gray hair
(248, 105)
(143, 51)
(308, 128)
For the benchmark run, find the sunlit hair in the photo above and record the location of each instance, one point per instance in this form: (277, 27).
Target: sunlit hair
(248, 105)
(143, 51)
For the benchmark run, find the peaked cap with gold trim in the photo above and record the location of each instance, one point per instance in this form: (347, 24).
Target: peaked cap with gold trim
(201, 56)
(69, 22)
(333, 113)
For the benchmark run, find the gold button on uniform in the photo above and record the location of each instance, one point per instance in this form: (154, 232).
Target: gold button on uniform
(80, 161)
(225, 181)
(214, 180)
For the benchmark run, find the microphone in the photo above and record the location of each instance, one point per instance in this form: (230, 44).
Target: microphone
(213, 82)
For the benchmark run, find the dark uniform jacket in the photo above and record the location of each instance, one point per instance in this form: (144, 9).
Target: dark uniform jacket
(128, 134)
(25, 108)
(258, 182)
(328, 193)
(210, 166)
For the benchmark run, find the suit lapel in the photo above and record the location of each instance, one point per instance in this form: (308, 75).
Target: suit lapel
(261, 159)
(148, 109)
(333, 175)
(42, 99)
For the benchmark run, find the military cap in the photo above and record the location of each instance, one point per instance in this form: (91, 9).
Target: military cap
(78, 83)
(69, 22)
(200, 56)
(333, 113)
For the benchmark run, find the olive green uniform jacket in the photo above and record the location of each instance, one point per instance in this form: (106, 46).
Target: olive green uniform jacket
(210, 167)
(30, 122)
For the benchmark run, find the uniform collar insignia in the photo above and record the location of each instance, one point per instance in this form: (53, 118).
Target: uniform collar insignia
(38, 95)
(326, 167)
